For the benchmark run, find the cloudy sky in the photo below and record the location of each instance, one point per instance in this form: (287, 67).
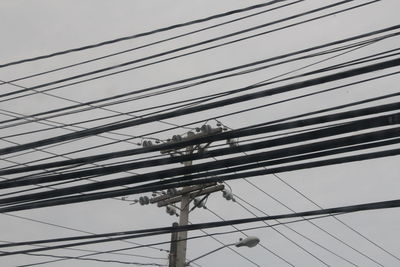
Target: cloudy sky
(34, 28)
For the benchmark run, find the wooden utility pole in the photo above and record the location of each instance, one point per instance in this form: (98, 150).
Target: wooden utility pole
(177, 257)
(172, 250)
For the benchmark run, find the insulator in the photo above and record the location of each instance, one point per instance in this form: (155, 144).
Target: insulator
(206, 129)
(144, 200)
(232, 142)
(197, 129)
(190, 134)
(227, 194)
(199, 202)
(171, 210)
(176, 138)
(171, 191)
(147, 143)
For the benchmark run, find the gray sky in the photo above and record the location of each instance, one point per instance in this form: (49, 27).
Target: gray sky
(32, 28)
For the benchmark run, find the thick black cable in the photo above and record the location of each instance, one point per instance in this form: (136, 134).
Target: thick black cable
(178, 182)
(229, 69)
(157, 156)
(223, 165)
(312, 135)
(225, 102)
(232, 113)
(200, 99)
(293, 117)
(200, 236)
(163, 230)
(190, 46)
(174, 89)
(253, 130)
(312, 223)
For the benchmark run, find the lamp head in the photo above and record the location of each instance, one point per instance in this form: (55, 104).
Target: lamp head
(250, 241)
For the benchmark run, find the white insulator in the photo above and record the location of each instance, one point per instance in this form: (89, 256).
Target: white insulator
(199, 202)
(176, 138)
(147, 143)
(171, 191)
(144, 200)
(232, 142)
(227, 194)
(171, 210)
(190, 135)
(206, 129)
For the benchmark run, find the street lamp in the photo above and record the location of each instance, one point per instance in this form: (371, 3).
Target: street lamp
(250, 241)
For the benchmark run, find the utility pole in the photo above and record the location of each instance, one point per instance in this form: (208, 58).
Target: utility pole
(172, 250)
(182, 236)
(177, 256)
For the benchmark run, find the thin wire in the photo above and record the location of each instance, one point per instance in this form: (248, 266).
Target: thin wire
(150, 44)
(186, 47)
(283, 235)
(320, 228)
(195, 237)
(304, 196)
(204, 98)
(168, 28)
(238, 67)
(336, 218)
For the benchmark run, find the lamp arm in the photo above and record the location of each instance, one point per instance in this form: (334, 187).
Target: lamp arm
(208, 253)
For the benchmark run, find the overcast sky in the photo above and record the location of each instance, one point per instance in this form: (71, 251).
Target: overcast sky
(33, 28)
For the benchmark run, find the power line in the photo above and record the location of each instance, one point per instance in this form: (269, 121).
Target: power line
(164, 230)
(198, 99)
(151, 44)
(174, 182)
(279, 232)
(229, 69)
(357, 232)
(168, 28)
(195, 237)
(336, 218)
(226, 102)
(187, 47)
(361, 124)
(323, 230)
(265, 105)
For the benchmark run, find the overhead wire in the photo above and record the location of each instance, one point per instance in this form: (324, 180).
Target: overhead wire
(204, 98)
(324, 230)
(281, 234)
(188, 179)
(153, 43)
(320, 228)
(179, 182)
(265, 105)
(195, 237)
(187, 47)
(158, 156)
(226, 102)
(241, 132)
(163, 230)
(90, 103)
(338, 219)
(168, 28)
